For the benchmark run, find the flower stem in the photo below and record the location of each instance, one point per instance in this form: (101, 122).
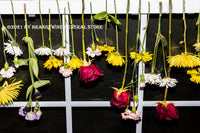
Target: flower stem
(170, 25)
(164, 63)
(25, 19)
(4, 53)
(41, 24)
(50, 32)
(72, 34)
(83, 26)
(116, 28)
(92, 23)
(185, 27)
(15, 32)
(65, 23)
(165, 97)
(106, 25)
(198, 32)
(126, 51)
(60, 21)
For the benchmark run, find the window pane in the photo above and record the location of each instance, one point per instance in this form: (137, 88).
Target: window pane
(98, 120)
(188, 122)
(53, 120)
(185, 89)
(101, 90)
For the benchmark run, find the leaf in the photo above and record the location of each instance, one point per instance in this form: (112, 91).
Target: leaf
(181, 42)
(1, 78)
(41, 83)
(116, 21)
(101, 16)
(30, 88)
(33, 65)
(163, 40)
(23, 62)
(30, 43)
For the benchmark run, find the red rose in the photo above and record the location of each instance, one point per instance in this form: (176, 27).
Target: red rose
(166, 111)
(89, 73)
(120, 98)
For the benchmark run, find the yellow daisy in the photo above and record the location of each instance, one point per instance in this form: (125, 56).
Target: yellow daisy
(106, 48)
(192, 72)
(197, 46)
(184, 60)
(195, 78)
(75, 62)
(53, 62)
(8, 92)
(115, 59)
(145, 57)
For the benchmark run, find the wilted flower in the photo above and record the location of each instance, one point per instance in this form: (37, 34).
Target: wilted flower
(9, 73)
(142, 81)
(131, 115)
(21, 112)
(13, 49)
(106, 48)
(115, 59)
(195, 78)
(75, 62)
(168, 82)
(192, 72)
(145, 57)
(93, 53)
(66, 72)
(31, 116)
(121, 97)
(53, 62)
(62, 52)
(38, 114)
(43, 50)
(197, 46)
(166, 111)
(152, 78)
(37, 94)
(89, 72)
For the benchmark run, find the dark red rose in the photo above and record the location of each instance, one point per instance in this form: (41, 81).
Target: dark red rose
(167, 112)
(120, 99)
(90, 73)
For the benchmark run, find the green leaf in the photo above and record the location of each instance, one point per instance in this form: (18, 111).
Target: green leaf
(116, 21)
(33, 65)
(163, 40)
(23, 62)
(1, 78)
(30, 43)
(41, 83)
(29, 90)
(101, 16)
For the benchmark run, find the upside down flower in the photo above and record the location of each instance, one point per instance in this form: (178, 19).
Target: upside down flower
(43, 50)
(62, 52)
(13, 49)
(75, 62)
(131, 115)
(8, 92)
(121, 97)
(195, 78)
(65, 71)
(106, 48)
(184, 60)
(166, 111)
(144, 57)
(152, 78)
(192, 72)
(93, 53)
(168, 82)
(115, 59)
(53, 62)
(197, 46)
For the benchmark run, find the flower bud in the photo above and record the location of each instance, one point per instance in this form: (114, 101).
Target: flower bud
(6, 66)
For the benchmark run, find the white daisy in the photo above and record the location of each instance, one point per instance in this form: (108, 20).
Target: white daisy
(13, 49)
(152, 78)
(92, 53)
(65, 72)
(168, 82)
(43, 50)
(62, 51)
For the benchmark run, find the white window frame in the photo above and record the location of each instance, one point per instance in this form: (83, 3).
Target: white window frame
(192, 6)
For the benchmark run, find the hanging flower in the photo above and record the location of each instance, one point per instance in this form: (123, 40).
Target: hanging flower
(142, 81)
(38, 114)
(152, 78)
(37, 94)
(93, 53)
(30, 116)
(131, 115)
(62, 52)
(195, 78)
(43, 51)
(66, 72)
(192, 72)
(53, 62)
(106, 48)
(7, 73)
(144, 57)
(75, 62)
(197, 46)
(89, 72)
(8, 92)
(184, 60)
(115, 59)
(13, 49)
(166, 111)
(121, 97)
(168, 82)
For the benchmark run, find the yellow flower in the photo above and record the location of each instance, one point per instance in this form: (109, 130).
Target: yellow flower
(145, 57)
(8, 92)
(184, 60)
(115, 59)
(106, 48)
(192, 72)
(75, 63)
(195, 78)
(53, 62)
(197, 46)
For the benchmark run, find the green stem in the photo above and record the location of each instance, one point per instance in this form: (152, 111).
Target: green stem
(126, 39)
(185, 27)
(50, 32)
(65, 23)
(116, 28)
(170, 26)
(60, 21)
(92, 23)
(198, 34)
(41, 24)
(83, 26)
(106, 25)
(15, 32)
(25, 19)
(164, 63)
(4, 53)
(72, 34)
(165, 96)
